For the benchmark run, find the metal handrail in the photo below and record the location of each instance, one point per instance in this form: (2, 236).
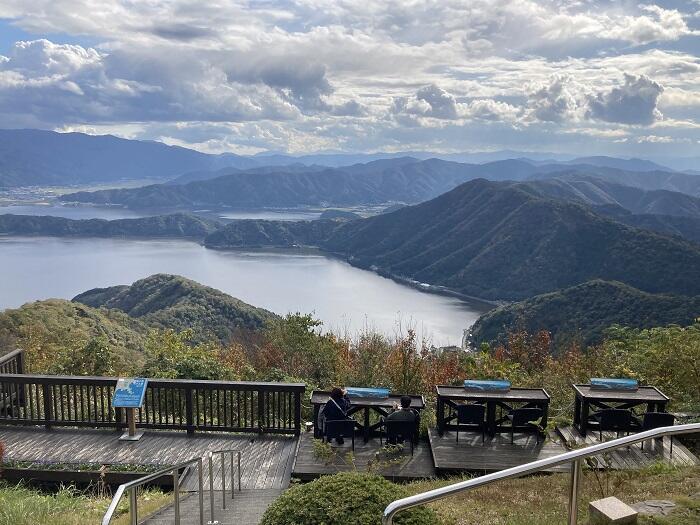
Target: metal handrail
(133, 485)
(574, 456)
(223, 453)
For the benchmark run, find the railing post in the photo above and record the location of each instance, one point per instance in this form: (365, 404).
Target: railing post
(133, 507)
(573, 492)
(176, 495)
(223, 481)
(20, 361)
(261, 409)
(200, 480)
(233, 483)
(297, 413)
(20, 370)
(48, 404)
(211, 521)
(189, 412)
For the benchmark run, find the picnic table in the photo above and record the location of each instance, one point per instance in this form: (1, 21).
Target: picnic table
(448, 397)
(366, 405)
(591, 400)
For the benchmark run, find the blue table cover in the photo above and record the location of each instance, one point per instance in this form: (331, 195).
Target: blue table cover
(487, 385)
(609, 383)
(375, 393)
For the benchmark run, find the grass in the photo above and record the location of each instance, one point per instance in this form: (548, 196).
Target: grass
(20, 505)
(542, 500)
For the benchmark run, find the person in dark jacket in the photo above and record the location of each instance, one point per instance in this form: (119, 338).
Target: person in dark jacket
(404, 413)
(336, 408)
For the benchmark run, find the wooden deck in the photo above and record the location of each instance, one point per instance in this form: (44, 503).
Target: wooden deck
(266, 461)
(631, 457)
(470, 455)
(307, 466)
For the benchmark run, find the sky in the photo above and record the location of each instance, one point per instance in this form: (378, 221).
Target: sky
(584, 77)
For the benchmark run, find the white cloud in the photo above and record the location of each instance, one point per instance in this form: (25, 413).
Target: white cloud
(632, 103)
(380, 74)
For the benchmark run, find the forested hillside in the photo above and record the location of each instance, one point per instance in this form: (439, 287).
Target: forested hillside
(582, 313)
(175, 225)
(402, 179)
(173, 302)
(494, 241)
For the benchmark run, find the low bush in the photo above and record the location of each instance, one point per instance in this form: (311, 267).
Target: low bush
(349, 498)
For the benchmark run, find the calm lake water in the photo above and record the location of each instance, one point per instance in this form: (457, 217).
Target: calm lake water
(343, 297)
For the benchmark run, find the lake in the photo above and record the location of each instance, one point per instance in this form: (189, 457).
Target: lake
(343, 297)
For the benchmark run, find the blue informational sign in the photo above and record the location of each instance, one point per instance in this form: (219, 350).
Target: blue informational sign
(129, 392)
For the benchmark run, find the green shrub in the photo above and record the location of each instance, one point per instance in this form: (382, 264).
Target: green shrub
(348, 498)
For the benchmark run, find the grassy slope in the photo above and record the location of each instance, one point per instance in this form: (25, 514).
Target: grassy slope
(542, 500)
(22, 506)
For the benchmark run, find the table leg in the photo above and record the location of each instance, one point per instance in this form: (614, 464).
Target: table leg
(545, 418)
(491, 417)
(317, 431)
(366, 424)
(577, 411)
(440, 416)
(583, 427)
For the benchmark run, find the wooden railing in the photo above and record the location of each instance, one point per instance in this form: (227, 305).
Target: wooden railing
(174, 404)
(12, 363)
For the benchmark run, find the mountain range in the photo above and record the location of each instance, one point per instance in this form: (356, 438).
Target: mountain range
(405, 180)
(30, 157)
(492, 240)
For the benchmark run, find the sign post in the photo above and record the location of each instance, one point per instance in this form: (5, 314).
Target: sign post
(129, 394)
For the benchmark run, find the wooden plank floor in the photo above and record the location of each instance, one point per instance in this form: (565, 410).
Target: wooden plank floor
(266, 461)
(631, 457)
(494, 454)
(307, 466)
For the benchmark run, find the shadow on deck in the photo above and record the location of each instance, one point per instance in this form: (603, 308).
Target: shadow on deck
(266, 461)
(367, 456)
(497, 453)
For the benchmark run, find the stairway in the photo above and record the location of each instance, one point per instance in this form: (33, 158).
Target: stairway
(247, 508)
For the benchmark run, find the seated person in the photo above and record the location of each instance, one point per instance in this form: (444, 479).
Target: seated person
(405, 413)
(336, 408)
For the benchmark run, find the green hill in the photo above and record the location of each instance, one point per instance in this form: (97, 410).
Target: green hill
(175, 225)
(585, 311)
(171, 301)
(53, 325)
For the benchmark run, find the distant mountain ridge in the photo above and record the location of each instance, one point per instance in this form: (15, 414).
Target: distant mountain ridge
(596, 191)
(583, 312)
(31, 157)
(404, 180)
